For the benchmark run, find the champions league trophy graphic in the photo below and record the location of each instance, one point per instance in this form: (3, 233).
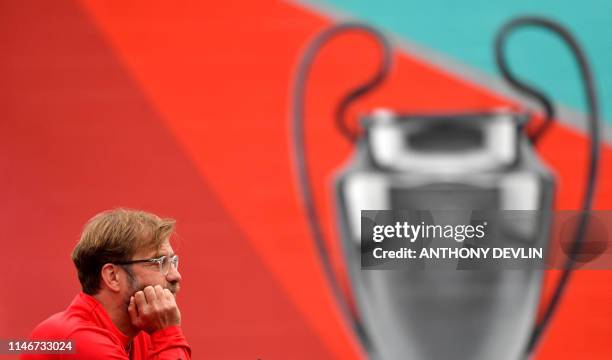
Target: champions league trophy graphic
(440, 163)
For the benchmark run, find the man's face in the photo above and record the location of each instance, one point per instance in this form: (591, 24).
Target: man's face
(141, 275)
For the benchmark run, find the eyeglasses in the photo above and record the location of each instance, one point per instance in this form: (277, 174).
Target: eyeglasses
(164, 263)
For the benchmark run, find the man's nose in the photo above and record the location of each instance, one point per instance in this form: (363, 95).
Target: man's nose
(173, 275)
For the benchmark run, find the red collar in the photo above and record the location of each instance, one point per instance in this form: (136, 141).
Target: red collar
(98, 315)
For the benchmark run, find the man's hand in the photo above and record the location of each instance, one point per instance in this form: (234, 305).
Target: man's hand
(154, 308)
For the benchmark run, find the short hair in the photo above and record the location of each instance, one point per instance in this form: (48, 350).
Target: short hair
(113, 236)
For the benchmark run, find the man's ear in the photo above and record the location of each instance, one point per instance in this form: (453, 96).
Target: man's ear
(110, 277)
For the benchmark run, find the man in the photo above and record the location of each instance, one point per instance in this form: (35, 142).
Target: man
(129, 275)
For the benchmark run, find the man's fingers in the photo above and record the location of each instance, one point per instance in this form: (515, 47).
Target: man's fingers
(140, 299)
(154, 308)
(159, 292)
(150, 294)
(168, 295)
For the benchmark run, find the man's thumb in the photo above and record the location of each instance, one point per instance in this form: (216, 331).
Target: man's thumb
(132, 311)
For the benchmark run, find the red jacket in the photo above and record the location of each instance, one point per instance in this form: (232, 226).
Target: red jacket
(96, 337)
